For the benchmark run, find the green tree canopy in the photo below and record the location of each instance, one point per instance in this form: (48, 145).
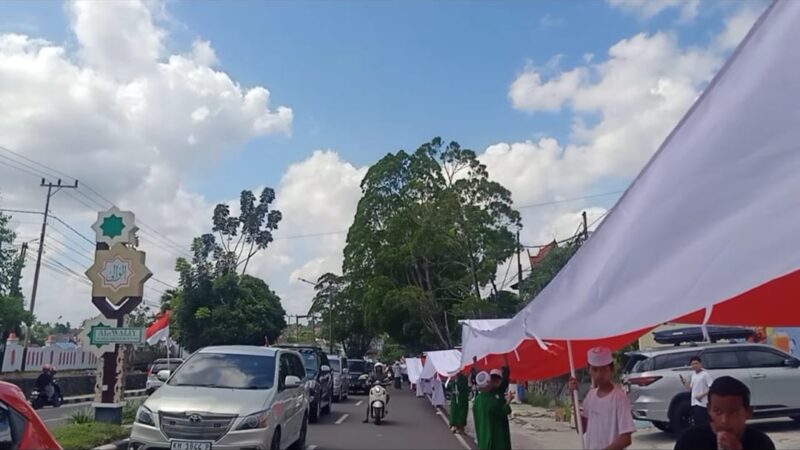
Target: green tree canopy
(215, 305)
(341, 309)
(428, 235)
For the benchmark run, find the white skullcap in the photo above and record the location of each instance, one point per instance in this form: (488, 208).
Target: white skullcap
(483, 379)
(600, 357)
(496, 372)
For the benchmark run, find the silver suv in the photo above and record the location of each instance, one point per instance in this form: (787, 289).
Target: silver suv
(341, 378)
(227, 397)
(652, 379)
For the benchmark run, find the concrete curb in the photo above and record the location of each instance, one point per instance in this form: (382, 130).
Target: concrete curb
(136, 393)
(121, 445)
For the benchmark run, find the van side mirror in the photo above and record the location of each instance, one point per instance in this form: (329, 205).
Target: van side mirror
(291, 382)
(791, 362)
(163, 375)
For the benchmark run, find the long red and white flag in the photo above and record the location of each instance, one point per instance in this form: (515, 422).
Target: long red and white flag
(159, 330)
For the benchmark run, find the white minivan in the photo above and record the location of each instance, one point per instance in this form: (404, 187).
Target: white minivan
(227, 397)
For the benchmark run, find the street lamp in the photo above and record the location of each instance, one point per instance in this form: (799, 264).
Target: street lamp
(330, 314)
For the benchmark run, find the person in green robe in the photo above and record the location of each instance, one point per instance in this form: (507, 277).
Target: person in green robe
(491, 409)
(459, 404)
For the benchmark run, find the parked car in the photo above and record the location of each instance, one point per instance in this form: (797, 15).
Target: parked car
(227, 397)
(158, 365)
(341, 377)
(652, 379)
(359, 376)
(20, 426)
(318, 378)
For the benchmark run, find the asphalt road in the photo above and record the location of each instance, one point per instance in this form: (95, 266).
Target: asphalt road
(412, 423)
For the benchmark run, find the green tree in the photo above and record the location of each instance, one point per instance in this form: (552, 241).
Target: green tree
(341, 309)
(548, 268)
(12, 314)
(215, 305)
(12, 304)
(428, 235)
(240, 238)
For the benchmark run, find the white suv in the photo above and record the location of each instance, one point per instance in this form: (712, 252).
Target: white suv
(652, 379)
(227, 397)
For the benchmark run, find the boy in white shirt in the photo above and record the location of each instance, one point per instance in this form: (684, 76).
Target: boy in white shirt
(607, 418)
(699, 384)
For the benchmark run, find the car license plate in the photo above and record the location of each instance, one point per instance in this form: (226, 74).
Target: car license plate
(189, 445)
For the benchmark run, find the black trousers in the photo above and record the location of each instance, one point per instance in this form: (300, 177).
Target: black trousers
(700, 415)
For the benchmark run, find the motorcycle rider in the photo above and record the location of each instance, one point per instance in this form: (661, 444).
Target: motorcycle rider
(45, 382)
(378, 376)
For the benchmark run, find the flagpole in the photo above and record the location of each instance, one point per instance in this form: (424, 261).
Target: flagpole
(575, 400)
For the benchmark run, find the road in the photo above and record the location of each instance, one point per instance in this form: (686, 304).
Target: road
(411, 423)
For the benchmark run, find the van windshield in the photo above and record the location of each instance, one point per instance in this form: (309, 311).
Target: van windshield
(226, 371)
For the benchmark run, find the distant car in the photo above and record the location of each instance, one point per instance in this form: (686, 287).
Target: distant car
(359, 376)
(158, 365)
(20, 426)
(227, 397)
(318, 378)
(341, 377)
(652, 380)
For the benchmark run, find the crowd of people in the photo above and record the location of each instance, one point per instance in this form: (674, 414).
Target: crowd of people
(720, 408)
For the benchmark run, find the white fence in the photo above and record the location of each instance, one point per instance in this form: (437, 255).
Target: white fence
(62, 359)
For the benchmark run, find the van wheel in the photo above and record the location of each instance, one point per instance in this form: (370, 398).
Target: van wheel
(681, 418)
(300, 443)
(314, 417)
(276, 440)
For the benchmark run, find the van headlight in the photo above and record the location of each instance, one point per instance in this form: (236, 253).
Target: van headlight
(145, 417)
(254, 421)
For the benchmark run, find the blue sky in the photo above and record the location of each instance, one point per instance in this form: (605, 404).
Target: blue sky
(560, 99)
(365, 78)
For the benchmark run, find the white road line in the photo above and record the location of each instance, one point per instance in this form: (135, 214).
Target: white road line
(311, 447)
(358, 403)
(458, 436)
(57, 419)
(342, 419)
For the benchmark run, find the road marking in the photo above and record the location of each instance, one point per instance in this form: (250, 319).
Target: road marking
(311, 447)
(458, 436)
(342, 419)
(358, 403)
(57, 419)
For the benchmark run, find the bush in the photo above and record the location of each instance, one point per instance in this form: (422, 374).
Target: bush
(130, 409)
(85, 436)
(84, 415)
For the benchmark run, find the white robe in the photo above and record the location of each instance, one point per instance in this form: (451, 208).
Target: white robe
(437, 395)
(420, 390)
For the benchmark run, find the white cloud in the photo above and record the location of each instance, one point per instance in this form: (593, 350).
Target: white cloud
(550, 21)
(123, 115)
(528, 92)
(647, 9)
(736, 27)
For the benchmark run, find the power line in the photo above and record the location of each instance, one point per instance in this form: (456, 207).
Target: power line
(20, 169)
(555, 202)
(58, 172)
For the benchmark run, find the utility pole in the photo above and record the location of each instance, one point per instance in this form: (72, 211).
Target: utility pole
(585, 227)
(50, 193)
(330, 323)
(519, 264)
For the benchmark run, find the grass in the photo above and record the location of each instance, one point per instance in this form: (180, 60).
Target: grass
(85, 436)
(130, 409)
(539, 400)
(83, 415)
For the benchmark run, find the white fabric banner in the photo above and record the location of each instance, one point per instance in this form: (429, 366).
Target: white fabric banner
(414, 369)
(444, 362)
(712, 215)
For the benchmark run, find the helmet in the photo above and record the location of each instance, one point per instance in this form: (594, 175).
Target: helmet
(47, 368)
(379, 365)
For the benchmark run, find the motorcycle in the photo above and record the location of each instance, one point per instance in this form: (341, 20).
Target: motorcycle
(39, 399)
(377, 402)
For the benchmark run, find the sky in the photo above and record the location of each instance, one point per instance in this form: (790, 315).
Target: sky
(168, 108)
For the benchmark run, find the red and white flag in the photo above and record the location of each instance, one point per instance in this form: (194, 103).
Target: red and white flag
(159, 329)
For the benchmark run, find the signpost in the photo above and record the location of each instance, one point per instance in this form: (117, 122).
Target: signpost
(118, 276)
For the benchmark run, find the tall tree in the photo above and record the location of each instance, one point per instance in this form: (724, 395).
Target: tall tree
(8, 257)
(429, 232)
(12, 305)
(215, 305)
(241, 237)
(344, 311)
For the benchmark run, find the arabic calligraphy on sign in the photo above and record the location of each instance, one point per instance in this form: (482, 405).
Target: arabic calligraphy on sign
(116, 273)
